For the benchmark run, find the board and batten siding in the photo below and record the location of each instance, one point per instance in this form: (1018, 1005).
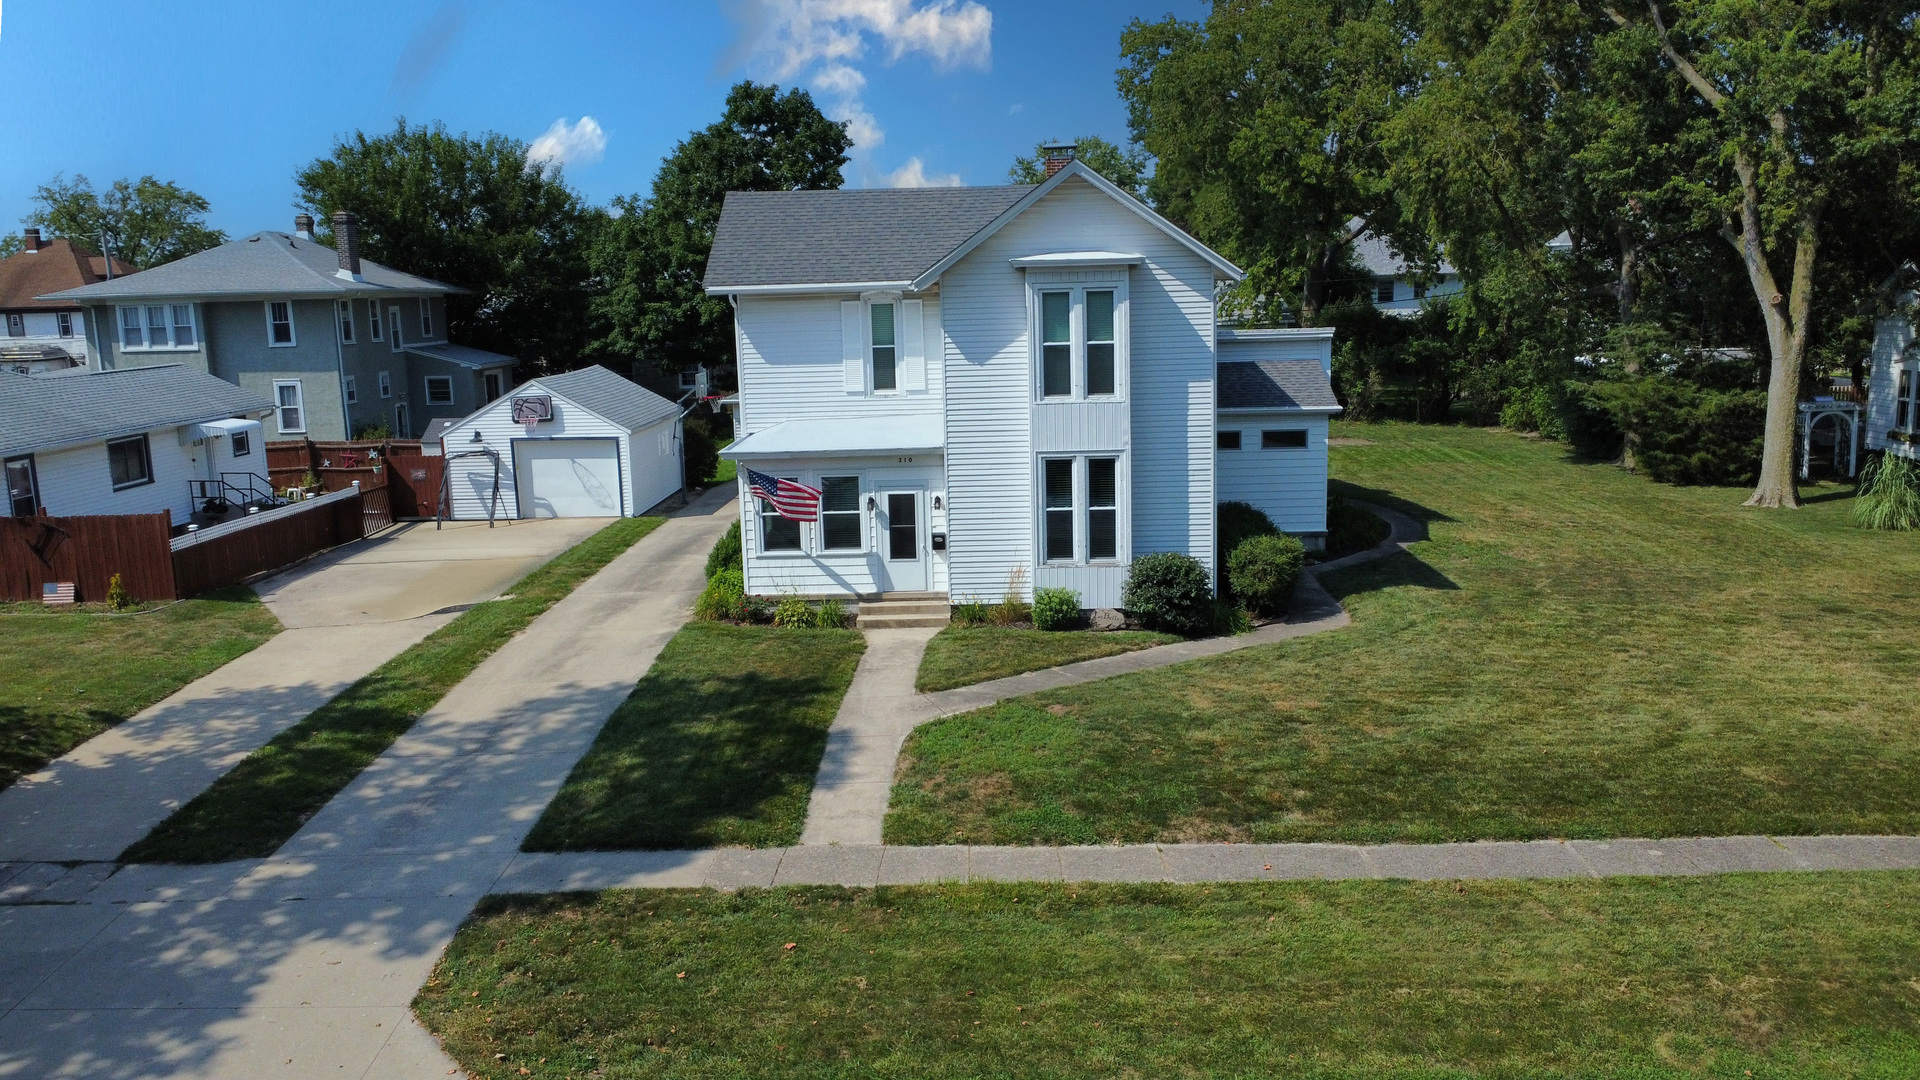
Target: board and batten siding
(1892, 339)
(991, 414)
(791, 364)
(470, 479)
(1290, 485)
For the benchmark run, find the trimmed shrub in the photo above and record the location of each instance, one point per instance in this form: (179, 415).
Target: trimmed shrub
(1170, 592)
(831, 616)
(1056, 609)
(1351, 529)
(793, 613)
(726, 553)
(1263, 571)
(722, 597)
(1888, 496)
(972, 612)
(1234, 523)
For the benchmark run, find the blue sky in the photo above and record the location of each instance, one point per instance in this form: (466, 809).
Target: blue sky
(230, 97)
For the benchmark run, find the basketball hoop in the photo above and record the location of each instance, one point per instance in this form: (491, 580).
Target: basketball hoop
(532, 409)
(532, 426)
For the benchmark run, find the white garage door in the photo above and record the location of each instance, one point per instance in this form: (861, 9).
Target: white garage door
(568, 477)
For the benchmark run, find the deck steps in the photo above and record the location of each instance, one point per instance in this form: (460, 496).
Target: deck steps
(899, 611)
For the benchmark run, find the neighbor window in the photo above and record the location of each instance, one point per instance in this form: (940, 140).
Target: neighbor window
(1284, 439)
(242, 444)
(439, 390)
(426, 319)
(279, 323)
(131, 336)
(840, 513)
(353, 390)
(777, 533)
(1226, 440)
(1383, 290)
(386, 385)
(65, 319)
(1419, 290)
(346, 321)
(1904, 414)
(1058, 480)
(16, 325)
(393, 324)
(129, 463)
(886, 351)
(289, 407)
(158, 326)
(183, 337)
(373, 319)
(1056, 344)
(157, 335)
(1103, 508)
(495, 382)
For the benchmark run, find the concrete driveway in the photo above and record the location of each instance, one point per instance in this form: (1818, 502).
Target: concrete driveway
(346, 613)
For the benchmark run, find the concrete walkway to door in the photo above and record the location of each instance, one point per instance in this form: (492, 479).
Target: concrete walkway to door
(346, 613)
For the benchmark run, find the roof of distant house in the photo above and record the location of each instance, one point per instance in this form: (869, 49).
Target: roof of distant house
(266, 264)
(612, 398)
(1381, 260)
(48, 412)
(57, 264)
(464, 355)
(1276, 384)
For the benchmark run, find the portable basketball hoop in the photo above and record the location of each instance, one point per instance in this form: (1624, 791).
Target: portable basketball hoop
(532, 409)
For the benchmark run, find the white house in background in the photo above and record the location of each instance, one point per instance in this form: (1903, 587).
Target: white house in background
(129, 441)
(606, 448)
(1893, 386)
(1392, 284)
(994, 388)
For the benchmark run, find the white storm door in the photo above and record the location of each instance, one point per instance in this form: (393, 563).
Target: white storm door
(903, 540)
(567, 477)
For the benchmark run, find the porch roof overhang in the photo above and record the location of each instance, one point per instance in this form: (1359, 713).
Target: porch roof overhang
(831, 438)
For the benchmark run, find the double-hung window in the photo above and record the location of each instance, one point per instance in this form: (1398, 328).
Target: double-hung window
(346, 322)
(353, 391)
(426, 319)
(1057, 531)
(886, 348)
(840, 526)
(183, 337)
(386, 386)
(65, 321)
(279, 324)
(373, 320)
(1079, 343)
(1383, 291)
(16, 325)
(777, 533)
(131, 335)
(393, 327)
(155, 326)
(1906, 412)
(129, 462)
(1080, 509)
(1103, 509)
(290, 410)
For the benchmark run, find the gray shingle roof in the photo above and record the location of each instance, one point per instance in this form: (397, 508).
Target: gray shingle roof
(264, 264)
(1275, 384)
(860, 235)
(48, 412)
(1381, 260)
(464, 355)
(619, 400)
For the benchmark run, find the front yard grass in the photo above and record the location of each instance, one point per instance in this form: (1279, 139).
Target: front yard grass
(67, 674)
(252, 810)
(964, 655)
(1762, 975)
(717, 746)
(1574, 652)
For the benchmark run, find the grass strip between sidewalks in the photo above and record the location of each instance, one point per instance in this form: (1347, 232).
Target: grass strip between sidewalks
(1745, 975)
(252, 810)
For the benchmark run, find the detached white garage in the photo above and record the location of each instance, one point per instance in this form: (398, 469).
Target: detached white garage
(584, 444)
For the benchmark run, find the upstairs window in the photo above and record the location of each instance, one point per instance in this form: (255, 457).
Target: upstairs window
(1100, 343)
(183, 336)
(1080, 331)
(426, 319)
(373, 320)
(840, 513)
(1056, 344)
(1383, 291)
(393, 327)
(279, 323)
(16, 325)
(886, 350)
(1905, 414)
(156, 326)
(1284, 439)
(131, 335)
(439, 390)
(65, 320)
(346, 322)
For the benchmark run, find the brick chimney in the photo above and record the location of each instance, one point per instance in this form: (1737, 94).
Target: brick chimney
(1058, 155)
(303, 226)
(34, 243)
(346, 244)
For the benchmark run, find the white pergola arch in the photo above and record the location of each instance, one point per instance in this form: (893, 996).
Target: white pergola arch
(1847, 412)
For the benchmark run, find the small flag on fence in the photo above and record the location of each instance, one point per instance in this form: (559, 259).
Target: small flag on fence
(56, 592)
(791, 500)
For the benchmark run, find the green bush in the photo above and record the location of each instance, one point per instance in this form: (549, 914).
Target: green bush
(754, 609)
(972, 611)
(1170, 592)
(831, 616)
(1230, 618)
(726, 553)
(1234, 523)
(722, 597)
(118, 599)
(1263, 571)
(1686, 434)
(1056, 609)
(1888, 496)
(1351, 529)
(793, 613)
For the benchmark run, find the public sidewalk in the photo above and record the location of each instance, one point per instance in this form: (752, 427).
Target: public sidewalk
(304, 964)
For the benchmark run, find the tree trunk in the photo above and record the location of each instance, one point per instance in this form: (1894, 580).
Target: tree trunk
(1627, 295)
(1786, 318)
(1313, 291)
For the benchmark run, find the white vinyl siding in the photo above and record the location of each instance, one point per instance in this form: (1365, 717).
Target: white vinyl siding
(805, 358)
(79, 481)
(1290, 485)
(649, 456)
(815, 569)
(1895, 351)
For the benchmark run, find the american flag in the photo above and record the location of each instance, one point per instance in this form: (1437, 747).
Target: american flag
(791, 500)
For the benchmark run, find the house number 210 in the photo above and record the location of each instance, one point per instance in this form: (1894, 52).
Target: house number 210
(903, 461)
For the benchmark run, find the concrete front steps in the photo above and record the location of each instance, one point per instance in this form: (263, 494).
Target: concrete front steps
(899, 611)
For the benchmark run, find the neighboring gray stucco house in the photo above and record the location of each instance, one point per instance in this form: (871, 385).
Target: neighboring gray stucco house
(337, 342)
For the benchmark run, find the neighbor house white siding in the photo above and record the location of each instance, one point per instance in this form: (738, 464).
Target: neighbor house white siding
(1893, 349)
(78, 481)
(1290, 485)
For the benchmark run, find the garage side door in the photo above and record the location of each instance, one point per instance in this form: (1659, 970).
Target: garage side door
(567, 477)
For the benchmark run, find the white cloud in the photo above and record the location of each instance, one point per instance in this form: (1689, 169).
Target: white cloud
(914, 174)
(563, 144)
(1016, 108)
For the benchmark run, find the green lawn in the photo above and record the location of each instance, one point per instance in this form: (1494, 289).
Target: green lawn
(1575, 652)
(717, 746)
(66, 675)
(1762, 975)
(964, 655)
(252, 810)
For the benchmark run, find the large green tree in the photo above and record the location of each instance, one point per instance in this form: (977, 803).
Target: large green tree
(1126, 168)
(472, 212)
(1264, 122)
(649, 259)
(145, 222)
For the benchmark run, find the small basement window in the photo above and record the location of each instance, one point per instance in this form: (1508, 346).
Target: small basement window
(1284, 439)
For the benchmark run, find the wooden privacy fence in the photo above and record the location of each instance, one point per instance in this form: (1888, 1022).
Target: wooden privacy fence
(336, 464)
(230, 553)
(413, 484)
(87, 551)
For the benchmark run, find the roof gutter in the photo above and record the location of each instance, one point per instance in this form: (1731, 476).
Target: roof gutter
(807, 287)
(1282, 408)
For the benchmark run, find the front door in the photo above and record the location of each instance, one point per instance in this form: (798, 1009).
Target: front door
(22, 496)
(903, 541)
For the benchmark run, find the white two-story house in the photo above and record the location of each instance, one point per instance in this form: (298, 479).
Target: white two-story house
(999, 388)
